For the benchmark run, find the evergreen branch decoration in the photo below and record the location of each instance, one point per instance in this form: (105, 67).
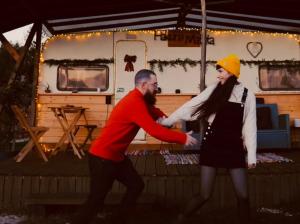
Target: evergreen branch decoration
(279, 64)
(161, 64)
(79, 62)
(173, 63)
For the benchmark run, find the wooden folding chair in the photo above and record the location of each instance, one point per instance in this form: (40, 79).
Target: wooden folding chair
(34, 132)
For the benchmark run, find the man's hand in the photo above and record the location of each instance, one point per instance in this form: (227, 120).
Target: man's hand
(190, 141)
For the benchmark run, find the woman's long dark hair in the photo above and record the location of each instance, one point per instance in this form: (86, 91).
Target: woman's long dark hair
(217, 99)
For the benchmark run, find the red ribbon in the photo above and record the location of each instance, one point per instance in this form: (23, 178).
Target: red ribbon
(129, 65)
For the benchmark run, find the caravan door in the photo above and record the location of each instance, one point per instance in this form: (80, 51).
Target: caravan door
(125, 71)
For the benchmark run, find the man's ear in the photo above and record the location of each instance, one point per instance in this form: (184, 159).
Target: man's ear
(144, 85)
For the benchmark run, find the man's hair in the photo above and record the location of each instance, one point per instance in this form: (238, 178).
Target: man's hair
(143, 75)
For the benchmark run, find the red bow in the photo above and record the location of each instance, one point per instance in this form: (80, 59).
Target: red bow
(129, 60)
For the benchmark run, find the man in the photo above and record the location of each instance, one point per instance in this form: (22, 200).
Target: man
(107, 160)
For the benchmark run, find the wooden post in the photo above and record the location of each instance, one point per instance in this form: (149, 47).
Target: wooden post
(203, 60)
(18, 57)
(27, 44)
(203, 46)
(36, 73)
(13, 53)
(10, 49)
(21, 56)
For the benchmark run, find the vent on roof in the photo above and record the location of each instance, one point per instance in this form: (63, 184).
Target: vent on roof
(130, 36)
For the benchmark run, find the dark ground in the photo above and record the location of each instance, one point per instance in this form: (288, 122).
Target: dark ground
(289, 214)
(286, 214)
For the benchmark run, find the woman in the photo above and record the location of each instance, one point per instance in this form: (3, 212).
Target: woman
(230, 110)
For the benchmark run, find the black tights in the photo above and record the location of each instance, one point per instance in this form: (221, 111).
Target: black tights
(208, 176)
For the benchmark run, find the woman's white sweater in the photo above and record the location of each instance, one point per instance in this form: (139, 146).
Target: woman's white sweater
(249, 129)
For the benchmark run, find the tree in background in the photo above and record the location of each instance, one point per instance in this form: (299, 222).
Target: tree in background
(19, 93)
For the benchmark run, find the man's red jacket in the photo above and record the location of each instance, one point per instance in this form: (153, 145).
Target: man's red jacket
(128, 116)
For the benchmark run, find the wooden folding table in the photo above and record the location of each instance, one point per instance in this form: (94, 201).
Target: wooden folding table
(68, 126)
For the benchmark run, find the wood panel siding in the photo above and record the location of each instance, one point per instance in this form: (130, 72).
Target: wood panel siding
(96, 114)
(287, 103)
(98, 111)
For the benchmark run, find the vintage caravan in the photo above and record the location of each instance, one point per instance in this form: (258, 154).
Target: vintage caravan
(95, 70)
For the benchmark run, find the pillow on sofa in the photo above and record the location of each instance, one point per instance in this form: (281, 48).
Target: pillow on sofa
(193, 126)
(260, 100)
(264, 120)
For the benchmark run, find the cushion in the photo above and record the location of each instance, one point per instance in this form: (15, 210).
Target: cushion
(264, 120)
(193, 126)
(260, 100)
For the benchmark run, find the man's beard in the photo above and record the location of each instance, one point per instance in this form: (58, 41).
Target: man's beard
(150, 98)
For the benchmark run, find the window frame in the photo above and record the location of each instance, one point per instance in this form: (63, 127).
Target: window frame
(273, 89)
(83, 88)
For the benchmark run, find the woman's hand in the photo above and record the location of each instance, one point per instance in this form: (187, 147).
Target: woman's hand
(161, 122)
(160, 119)
(251, 166)
(190, 140)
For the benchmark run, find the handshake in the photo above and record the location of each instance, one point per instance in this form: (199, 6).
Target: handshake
(190, 140)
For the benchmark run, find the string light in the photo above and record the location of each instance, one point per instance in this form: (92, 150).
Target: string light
(85, 36)
(46, 148)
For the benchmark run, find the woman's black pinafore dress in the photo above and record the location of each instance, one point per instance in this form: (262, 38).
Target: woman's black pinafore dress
(222, 143)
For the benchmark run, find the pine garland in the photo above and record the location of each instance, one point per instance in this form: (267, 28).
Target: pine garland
(79, 62)
(173, 63)
(161, 64)
(278, 63)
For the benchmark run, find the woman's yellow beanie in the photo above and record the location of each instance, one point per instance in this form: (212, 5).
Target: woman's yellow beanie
(231, 63)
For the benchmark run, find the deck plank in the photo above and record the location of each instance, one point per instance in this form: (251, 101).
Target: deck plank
(44, 184)
(2, 187)
(269, 184)
(17, 191)
(141, 165)
(150, 169)
(161, 167)
(7, 202)
(172, 170)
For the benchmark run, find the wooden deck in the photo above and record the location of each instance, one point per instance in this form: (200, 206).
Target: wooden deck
(270, 184)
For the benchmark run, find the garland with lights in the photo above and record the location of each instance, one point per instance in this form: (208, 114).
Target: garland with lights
(161, 64)
(79, 62)
(83, 36)
(173, 63)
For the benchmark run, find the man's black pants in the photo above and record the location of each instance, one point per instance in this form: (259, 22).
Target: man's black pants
(103, 173)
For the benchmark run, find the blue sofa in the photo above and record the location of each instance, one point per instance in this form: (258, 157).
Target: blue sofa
(277, 136)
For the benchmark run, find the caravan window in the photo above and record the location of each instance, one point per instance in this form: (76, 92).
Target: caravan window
(279, 78)
(82, 78)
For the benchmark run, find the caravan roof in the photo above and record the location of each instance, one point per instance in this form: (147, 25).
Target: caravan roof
(77, 16)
